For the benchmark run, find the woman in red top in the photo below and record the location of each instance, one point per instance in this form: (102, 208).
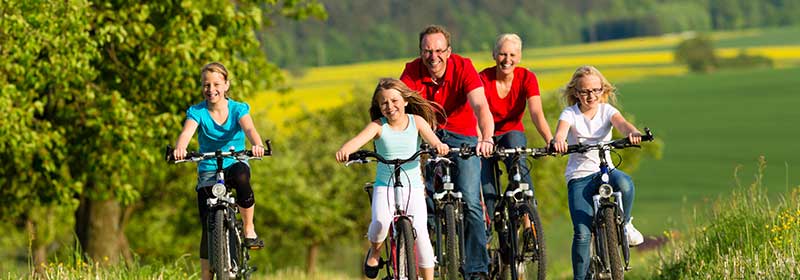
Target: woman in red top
(508, 89)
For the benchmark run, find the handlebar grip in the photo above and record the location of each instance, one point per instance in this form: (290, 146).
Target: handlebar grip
(268, 151)
(648, 135)
(168, 154)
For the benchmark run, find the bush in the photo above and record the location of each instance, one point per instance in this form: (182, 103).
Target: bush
(744, 60)
(698, 53)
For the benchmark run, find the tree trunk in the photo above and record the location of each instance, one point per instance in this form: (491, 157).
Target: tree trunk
(99, 226)
(38, 250)
(311, 260)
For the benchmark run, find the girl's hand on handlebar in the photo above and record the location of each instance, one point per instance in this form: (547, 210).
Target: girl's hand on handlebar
(342, 155)
(258, 150)
(179, 153)
(559, 146)
(442, 148)
(635, 138)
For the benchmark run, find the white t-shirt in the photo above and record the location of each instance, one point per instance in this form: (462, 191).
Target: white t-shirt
(585, 131)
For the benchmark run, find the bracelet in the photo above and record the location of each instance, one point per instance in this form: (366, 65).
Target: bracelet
(486, 141)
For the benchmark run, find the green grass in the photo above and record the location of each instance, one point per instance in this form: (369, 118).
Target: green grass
(764, 37)
(745, 235)
(711, 124)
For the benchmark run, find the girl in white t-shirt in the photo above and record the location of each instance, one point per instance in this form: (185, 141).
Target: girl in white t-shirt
(588, 120)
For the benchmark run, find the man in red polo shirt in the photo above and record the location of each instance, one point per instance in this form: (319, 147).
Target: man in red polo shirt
(452, 81)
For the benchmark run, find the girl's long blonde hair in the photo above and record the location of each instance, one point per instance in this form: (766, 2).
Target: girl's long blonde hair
(432, 113)
(569, 94)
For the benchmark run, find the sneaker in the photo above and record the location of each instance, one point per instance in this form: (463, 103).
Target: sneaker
(635, 237)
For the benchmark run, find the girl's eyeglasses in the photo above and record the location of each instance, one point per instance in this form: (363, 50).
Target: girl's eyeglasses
(592, 91)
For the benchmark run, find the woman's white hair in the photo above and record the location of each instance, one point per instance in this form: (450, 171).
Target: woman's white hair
(502, 38)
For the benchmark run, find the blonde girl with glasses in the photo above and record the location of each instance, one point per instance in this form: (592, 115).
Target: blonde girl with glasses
(588, 119)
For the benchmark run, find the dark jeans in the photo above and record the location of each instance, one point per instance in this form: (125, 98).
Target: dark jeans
(466, 178)
(579, 194)
(509, 139)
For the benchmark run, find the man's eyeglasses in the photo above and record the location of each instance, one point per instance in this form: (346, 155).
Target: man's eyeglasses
(592, 91)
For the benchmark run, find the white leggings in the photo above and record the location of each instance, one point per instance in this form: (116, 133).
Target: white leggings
(382, 213)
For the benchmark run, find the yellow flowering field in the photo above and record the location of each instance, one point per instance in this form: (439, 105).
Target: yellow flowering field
(620, 60)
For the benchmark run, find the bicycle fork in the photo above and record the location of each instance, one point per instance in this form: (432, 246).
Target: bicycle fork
(605, 193)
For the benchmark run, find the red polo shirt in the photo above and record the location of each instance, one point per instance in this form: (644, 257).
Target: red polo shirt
(508, 111)
(451, 92)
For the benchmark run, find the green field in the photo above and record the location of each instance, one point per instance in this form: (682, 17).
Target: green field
(710, 124)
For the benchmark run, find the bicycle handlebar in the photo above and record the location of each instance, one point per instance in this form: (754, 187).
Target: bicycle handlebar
(362, 156)
(195, 156)
(533, 152)
(616, 144)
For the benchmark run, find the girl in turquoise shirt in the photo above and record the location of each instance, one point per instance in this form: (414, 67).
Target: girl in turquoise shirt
(222, 123)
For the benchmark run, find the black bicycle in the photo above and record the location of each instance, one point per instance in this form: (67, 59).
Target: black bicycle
(609, 236)
(402, 259)
(228, 254)
(516, 220)
(448, 226)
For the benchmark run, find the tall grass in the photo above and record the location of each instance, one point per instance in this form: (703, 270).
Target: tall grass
(185, 267)
(742, 237)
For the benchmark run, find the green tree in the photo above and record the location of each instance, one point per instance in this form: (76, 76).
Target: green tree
(697, 53)
(96, 88)
(313, 199)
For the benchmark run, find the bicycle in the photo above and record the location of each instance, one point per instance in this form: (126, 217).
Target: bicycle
(448, 214)
(516, 215)
(609, 235)
(402, 261)
(226, 240)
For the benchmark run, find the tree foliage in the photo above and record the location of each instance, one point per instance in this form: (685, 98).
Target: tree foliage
(92, 90)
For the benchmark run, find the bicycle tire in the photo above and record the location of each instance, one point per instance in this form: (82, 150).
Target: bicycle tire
(451, 258)
(405, 256)
(220, 246)
(531, 244)
(611, 228)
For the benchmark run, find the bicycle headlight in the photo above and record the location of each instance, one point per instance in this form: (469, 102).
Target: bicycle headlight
(605, 190)
(218, 190)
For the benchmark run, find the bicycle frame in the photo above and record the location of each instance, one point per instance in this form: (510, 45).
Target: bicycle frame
(606, 197)
(400, 213)
(517, 194)
(445, 196)
(222, 208)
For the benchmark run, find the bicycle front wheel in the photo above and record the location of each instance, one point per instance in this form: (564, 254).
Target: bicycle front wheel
(530, 253)
(610, 230)
(405, 258)
(451, 259)
(220, 246)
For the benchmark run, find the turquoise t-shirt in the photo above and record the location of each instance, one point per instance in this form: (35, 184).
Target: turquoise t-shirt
(213, 136)
(398, 145)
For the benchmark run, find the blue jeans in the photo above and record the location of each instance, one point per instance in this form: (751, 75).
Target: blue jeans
(509, 139)
(580, 192)
(466, 177)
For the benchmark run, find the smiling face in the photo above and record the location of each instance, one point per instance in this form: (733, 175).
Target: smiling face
(434, 52)
(507, 56)
(214, 86)
(392, 104)
(589, 91)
